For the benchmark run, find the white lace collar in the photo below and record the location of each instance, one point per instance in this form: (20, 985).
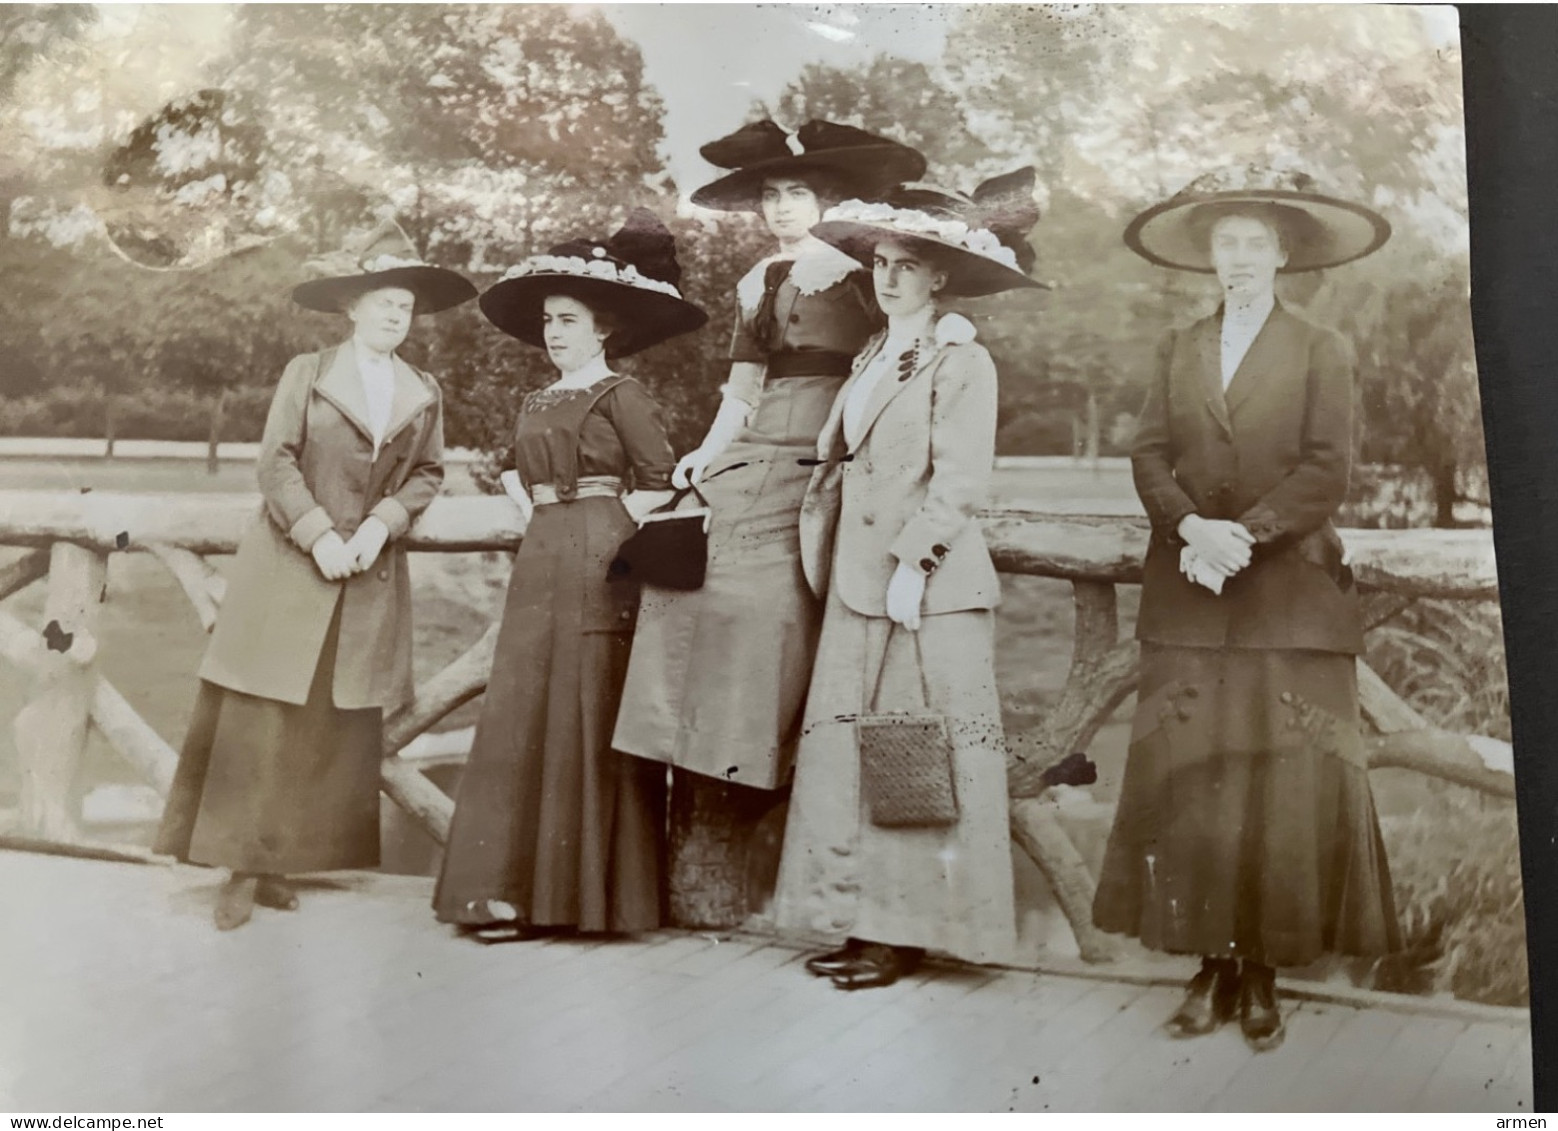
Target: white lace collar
(818, 266)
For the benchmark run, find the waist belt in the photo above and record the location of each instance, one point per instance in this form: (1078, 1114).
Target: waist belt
(808, 363)
(590, 487)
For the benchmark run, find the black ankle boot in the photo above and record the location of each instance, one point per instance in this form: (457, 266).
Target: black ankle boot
(1211, 999)
(1259, 1015)
(826, 965)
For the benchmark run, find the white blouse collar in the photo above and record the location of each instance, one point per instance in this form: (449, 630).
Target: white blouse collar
(596, 369)
(818, 266)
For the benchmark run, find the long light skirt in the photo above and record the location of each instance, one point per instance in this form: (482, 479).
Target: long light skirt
(944, 889)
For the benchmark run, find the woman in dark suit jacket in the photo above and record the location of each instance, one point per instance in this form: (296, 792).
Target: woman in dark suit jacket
(1246, 830)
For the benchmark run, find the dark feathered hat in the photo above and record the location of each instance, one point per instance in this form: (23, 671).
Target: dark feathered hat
(860, 163)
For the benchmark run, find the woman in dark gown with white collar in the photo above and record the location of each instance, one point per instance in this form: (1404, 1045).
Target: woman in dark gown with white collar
(1246, 832)
(554, 830)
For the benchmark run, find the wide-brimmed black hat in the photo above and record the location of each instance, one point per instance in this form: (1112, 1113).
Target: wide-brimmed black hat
(979, 238)
(1320, 230)
(862, 164)
(385, 257)
(631, 276)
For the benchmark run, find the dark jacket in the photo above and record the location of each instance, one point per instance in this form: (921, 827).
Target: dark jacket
(1273, 453)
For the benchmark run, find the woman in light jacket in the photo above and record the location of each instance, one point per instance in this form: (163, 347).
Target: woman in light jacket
(1246, 832)
(890, 540)
(718, 675)
(280, 767)
(554, 831)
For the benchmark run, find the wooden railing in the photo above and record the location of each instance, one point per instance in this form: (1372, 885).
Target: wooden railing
(70, 537)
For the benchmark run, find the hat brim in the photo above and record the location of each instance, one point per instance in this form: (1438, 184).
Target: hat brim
(866, 169)
(435, 289)
(646, 318)
(970, 275)
(1328, 231)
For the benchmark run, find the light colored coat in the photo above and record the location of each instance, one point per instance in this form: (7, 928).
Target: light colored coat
(318, 472)
(910, 490)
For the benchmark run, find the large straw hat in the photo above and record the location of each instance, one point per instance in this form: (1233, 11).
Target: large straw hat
(1320, 230)
(863, 163)
(385, 257)
(633, 275)
(981, 238)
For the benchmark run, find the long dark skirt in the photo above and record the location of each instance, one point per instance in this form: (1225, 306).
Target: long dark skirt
(265, 786)
(1246, 825)
(550, 818)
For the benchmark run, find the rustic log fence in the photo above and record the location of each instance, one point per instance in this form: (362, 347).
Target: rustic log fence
(70, 536)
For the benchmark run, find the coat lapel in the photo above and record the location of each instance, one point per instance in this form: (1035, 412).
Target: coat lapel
(1265, 354)
(1209, 368)
(411, 397)
(342, 387)
(892, 383)
(832, 433)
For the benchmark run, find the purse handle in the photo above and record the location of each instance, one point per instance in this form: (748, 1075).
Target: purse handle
(676, 500)
(919, 662)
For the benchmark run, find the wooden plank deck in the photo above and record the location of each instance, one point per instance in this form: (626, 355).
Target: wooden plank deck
(116, 994)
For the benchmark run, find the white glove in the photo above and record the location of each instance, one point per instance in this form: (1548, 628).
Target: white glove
(334, 560)
(367, 543)
(1346, 551)
(1201, 572)
(515, 490)
(690, 468)
(1223, 545)
(905, 594)
(640, 503)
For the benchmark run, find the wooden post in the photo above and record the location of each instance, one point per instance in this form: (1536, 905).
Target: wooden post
(213, 464)
(721, 866)
(51, 729)
(109, 425)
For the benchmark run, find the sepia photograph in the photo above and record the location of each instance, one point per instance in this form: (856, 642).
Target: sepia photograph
(748, 557)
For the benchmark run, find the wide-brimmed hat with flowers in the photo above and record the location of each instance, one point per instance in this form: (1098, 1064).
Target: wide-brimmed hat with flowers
(979, 238)
(1319, 229)
(384, 257)
(632, 276)
(861, 164)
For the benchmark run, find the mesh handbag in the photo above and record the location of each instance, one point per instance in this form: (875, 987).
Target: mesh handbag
(906, 760)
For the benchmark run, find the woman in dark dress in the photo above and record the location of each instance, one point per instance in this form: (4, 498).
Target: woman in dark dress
(718, 675)
(1246, 831)
(280, 768)
(554, 830)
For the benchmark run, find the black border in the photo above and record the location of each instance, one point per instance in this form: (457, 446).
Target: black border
(1510, 55)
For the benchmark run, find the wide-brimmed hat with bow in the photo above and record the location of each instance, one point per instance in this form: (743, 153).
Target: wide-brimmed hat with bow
(385, 257)
(1319, 229)
(632, 277)
(980, 239)
(862, 164)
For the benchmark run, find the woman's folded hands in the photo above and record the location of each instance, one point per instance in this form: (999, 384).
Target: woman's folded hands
(338, 559)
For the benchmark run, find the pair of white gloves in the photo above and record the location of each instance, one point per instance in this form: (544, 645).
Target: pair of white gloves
(1216, 549)
(338, 559)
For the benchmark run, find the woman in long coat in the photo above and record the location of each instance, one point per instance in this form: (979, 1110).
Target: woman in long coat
(890, 540)
(280, 768)
(1246, 830)
(719, 675)
(553, 830)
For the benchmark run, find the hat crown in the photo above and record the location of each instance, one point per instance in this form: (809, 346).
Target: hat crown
(387, 245)
(1249, 178)
(643, 243)
(768, 141)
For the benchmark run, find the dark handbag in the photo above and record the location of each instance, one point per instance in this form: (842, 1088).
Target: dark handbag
(670, 548)
(906, 761)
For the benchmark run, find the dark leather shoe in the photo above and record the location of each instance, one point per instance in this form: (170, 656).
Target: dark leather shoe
(878, 965)
(831, 963)
(276, 893)
(1211, 999)
(1260, 1017)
